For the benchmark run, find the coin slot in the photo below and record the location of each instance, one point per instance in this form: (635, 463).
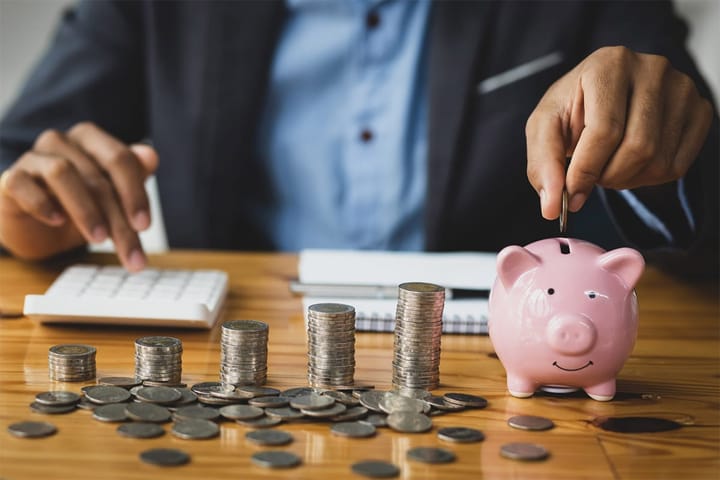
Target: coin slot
(564, 247)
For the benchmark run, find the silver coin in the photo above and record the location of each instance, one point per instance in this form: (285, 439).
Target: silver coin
(466, 400)
(342, 397)
(439, 403)
(376, 419)
(72, 350)
(260, 422)
(530, 422)
(257, 391)
(296, 392)
(104, 394)
(409, 422)
(460, 435)
(57, 398)
(353, 429)
(524, 451)
(284, 413)
(263, 402)
(352, 413)
(564, 212)
(113, 412)
(166, 457)
(147, 412)
(217, 401)
(430, 455)
(241, 412)
(51, 409)
(196, 411)
(391, 403)
(331, 411)
(269, 437)
(233, 396)
(204, 388)
(151, 383)
(195, 429)
(124, 382)
(312, 401)
(32, 429)
(140, 430)
(186, 397)
(159, 395)
(86, 404)
(375, 469)
(275, 459)
(371, 400)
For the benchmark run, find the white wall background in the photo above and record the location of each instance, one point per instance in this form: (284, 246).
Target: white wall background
(26, 27)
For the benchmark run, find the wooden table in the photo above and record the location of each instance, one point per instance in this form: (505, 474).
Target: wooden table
(673, 373)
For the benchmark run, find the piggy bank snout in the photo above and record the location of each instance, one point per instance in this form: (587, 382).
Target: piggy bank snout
(571, 334)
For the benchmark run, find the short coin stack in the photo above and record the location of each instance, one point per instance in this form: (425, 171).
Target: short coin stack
(158, 359)
(331, 345)
(71, 362)
(243, 352)
(418, 326)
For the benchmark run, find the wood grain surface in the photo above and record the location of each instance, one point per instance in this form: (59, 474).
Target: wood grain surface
(673, 373)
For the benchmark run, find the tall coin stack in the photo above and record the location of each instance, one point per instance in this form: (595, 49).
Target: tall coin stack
(158, 359)
(418, 327)
(331, 345)
(243, 352)
(71, 363)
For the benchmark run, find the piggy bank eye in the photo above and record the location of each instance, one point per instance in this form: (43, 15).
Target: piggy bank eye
(591, 294)
(551, 291)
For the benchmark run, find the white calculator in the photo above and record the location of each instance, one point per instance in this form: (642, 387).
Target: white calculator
(111, 295)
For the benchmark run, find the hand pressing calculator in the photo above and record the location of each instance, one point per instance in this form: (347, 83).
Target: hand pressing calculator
(111, 295)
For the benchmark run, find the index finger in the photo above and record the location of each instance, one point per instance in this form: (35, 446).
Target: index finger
(123, 167)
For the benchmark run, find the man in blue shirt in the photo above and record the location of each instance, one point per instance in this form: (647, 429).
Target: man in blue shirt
(362, 124)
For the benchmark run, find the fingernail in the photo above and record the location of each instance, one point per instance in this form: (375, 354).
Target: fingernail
(136, 260)
(577, 201)
(543, 200)
(141, 220)
(99, 234)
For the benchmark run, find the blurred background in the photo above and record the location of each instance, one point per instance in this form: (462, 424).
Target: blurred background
(26, 26)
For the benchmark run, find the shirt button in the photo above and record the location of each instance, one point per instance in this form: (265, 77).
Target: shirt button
(372, 20)
(366, 135)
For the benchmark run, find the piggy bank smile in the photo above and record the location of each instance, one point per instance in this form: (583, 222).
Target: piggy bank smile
(556, 364)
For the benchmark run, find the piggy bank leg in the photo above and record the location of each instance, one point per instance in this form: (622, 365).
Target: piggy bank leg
(602, 392)
(520, 387)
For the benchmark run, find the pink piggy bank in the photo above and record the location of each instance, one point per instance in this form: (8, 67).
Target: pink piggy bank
(563, 312)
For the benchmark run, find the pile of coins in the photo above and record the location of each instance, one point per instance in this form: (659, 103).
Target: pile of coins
(331, 345)
(158, 359)
(418, 326)
(243, 352)
(71, 362)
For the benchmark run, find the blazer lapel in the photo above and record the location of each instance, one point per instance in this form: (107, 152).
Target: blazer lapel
(459, 31)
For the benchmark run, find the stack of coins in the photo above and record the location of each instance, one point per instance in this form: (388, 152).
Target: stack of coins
(243, 352)
(331, 345)
(418, 326)
(71, 363)
(158, 359)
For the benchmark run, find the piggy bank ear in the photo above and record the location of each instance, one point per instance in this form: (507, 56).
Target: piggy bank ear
(512, 262)
(626, 263)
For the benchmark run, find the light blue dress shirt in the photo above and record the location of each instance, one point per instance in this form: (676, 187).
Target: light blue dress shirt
(344, 132)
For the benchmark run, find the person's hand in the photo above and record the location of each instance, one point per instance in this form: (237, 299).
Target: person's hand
(78, 186)
(627, 120)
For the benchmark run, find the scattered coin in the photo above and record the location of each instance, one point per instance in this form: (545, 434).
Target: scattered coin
(147, 412)
(241, 412)
(284, 413)
(196, 411)
(32, 429)
(352, 413)
(342, 397)
(371, 400)
(331, 411)
(113, 412)
(409, 422)
(312, 401)
(275, 459)
(530, 422)
(260, 422)
(375, 469)
(392, 402)
(439, 403)
(263, 402)
(140, 430)
(524, 451)
(465, 400)
(353, 429)
(195, 429)
(86, 404)
(430, 455)
(257, 391)
(159, 395)
(269, 437)
(376, 419)
(296, 392)
(187, 396)
(51, 409)
(231, 396)
(57, 398)
(124, 382)
(104, 394)
(205, 388)
(460, 435)
(166, 457)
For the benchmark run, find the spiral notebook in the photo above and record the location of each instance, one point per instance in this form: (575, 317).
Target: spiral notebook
(368, 281)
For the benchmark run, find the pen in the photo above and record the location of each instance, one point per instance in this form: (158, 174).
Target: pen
(372, 291)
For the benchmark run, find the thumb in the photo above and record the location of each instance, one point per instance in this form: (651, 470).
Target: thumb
(147, 155)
